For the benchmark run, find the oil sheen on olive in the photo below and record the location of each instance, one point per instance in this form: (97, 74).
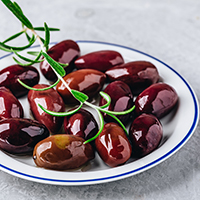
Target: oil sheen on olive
(27, 74)
(82, 124)
(66, 51)
(113, 145)
(158, 99)
(19, 136)
(88, 81)
(145, 135)
(121, 100)
(50, 100)
(138, 75)
(62, 152)
(99, 60)
(10, 107)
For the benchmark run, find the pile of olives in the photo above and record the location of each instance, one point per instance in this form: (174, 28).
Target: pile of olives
(59, 142)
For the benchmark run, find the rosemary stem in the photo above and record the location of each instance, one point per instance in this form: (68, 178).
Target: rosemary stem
(39, 40)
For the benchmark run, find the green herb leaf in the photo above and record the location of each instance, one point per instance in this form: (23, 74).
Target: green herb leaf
(2, 47)
(120, 123)
(79, 95)
(17, 7)
(57, 67)
(107, 98)
(60, 114)
(43, 40)
(63, 65)
(101, 122)
(28, 37)
(47, 36)
(38, 89)
(34, 53)
(13, 37)
(117, 113)
(29, 60)
(22, 64)
(43, 29)
(11, 48)
(16, 10)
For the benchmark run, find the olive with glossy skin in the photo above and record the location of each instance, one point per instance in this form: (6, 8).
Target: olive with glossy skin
(113, 145)
(121, 100)
(81, 123)
(88, 81)
(10, 107)
(66, 51)
(99, 60)
(50, 100)
(138, 75)
(145, 135)
(19, 136)
(62, 152)
(27, 74)
(158, 99)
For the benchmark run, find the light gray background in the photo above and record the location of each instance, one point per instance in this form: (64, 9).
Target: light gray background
(168, 30)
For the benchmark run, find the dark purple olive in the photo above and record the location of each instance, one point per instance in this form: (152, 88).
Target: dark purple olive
(10, 107)
(9, 75)
(113, 145)
(88, 81)
(121, 100)
(81, 124)
(64, 52)
(62, 152)
(138, 75)
(50, 100)
(145, 135)
(158, 99)
(19, 136)
(99, 60)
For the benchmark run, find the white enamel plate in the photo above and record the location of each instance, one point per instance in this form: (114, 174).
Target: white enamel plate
(178, 127)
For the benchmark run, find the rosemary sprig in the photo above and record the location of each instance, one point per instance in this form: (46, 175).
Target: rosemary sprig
(56, 66)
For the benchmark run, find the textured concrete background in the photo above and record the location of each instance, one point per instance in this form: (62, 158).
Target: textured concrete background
(170, 31)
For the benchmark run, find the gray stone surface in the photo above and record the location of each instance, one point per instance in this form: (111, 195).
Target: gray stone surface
(168, 30)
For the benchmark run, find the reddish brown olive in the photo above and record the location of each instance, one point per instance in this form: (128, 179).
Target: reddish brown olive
(66, 51)
(82, 124)
(62, 152)
(158, 99)
(145, 134)
(88, 81)
(121, 100)
(50, 100)
(99, 60)
(113, 145)
(138, 75)
(19, 136)
(9, 75)
(10, 107)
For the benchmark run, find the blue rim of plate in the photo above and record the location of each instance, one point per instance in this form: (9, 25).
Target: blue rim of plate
(132, 172)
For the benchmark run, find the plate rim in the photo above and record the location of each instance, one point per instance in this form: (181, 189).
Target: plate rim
(130, 172)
